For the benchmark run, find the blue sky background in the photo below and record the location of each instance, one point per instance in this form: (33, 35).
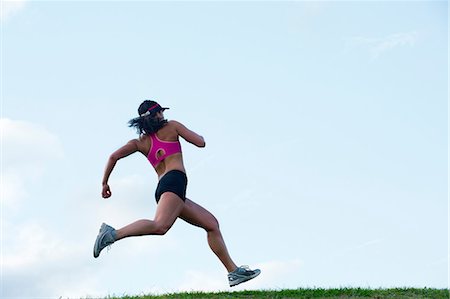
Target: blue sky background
(326, 126)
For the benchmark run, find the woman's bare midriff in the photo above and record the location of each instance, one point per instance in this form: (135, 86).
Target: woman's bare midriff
(174, 162)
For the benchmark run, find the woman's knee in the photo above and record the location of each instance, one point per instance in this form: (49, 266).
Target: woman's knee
(161, 228)
(212, 224)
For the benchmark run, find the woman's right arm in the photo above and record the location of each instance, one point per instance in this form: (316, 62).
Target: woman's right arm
(126, 150)
(188, 135)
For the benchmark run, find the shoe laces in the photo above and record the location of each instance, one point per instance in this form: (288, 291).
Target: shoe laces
(108, 245)
(245, 267)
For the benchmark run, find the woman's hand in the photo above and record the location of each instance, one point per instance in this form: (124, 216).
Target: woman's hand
(106, 192)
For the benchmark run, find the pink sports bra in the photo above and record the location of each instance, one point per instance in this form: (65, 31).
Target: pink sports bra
(162, 148)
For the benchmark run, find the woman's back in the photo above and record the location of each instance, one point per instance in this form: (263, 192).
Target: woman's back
(163, 149)
(159, 138)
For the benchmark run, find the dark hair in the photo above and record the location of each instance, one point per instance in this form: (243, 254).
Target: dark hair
(147, 123)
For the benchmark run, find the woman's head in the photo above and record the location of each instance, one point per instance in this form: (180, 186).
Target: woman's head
(149, 108)
(150, 118)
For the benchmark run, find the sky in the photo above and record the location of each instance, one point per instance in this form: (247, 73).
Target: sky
(326, 128)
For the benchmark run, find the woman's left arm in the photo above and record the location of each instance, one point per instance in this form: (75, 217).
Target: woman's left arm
(126, 150)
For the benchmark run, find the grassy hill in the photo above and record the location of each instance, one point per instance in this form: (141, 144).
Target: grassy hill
(343, 293)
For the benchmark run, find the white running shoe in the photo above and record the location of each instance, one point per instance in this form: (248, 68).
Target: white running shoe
(242, 274)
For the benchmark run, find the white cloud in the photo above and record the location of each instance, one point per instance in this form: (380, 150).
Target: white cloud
(13, 190)
(29, 248)
(30, 245)
(10, 8)
(27, 149)
(37, 262)
(380, 45)
(26, 142)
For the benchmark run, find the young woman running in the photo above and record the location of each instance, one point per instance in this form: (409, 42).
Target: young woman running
(159, 142)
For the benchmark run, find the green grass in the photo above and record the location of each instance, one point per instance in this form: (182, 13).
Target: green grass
(343, 293)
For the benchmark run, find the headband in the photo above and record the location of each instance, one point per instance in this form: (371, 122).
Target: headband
(149, 111)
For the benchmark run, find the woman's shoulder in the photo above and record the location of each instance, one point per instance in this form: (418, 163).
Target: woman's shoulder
(142, 140)
(173, 122)
(174, 125)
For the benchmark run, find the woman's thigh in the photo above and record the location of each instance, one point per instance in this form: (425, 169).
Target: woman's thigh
(169, 208)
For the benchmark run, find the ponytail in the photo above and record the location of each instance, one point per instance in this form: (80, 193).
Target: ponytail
(147, 124)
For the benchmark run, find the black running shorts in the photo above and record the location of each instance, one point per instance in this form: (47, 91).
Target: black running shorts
(174, 181)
